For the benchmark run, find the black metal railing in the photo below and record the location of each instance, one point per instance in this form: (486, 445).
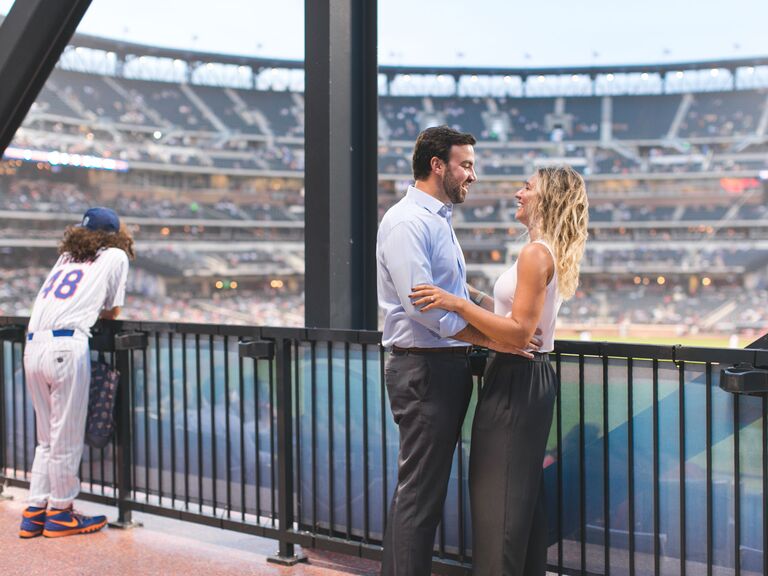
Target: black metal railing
(286, 433)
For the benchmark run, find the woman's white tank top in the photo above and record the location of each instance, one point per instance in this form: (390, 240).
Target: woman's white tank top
(504, 293)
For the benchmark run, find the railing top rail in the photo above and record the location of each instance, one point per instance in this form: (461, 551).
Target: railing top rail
(370, 337)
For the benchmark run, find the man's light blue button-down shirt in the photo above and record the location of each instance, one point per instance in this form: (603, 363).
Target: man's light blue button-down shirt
(416, 245)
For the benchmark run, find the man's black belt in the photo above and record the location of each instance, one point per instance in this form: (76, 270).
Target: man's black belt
(460, 350)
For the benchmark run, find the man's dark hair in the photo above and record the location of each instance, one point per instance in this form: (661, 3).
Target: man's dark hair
(436, 142)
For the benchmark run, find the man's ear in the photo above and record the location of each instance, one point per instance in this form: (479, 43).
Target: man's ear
(437, 165)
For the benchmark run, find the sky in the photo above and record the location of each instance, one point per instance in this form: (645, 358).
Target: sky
(480, 33)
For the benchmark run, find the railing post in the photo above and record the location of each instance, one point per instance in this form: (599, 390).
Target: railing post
(280, 351)
(124, 343)
(10, 333)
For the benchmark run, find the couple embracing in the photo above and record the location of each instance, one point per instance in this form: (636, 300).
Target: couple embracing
(432, 317)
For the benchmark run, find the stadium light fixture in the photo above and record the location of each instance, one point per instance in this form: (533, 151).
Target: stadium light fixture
(541, 78)
(219, 284)
(679, 74)
(157, 134)
(715, 72)
(473, 78)
(507, 79)
(706, 281)
(661, 280)
(610, 77)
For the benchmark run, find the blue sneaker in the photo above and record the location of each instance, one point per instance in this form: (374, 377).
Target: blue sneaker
(67, 522)
(32, 521)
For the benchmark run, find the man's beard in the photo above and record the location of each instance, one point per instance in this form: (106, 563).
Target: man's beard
(452, 189)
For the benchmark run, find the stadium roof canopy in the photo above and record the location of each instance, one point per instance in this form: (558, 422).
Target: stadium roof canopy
(97, 55)
(128, 50)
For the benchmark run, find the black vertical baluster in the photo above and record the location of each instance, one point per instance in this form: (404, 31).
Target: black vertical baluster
(256, 400)
(158, 386)
(241, 392)
(366, 503)
(114, 438)
(736, 486)
(631, 465)
(384, 493)
(606, 473)
(102, 465)
(582, 471)
(331, 483)
(185, 390)
(227, 431)
(708, 432)
(200, 468)
(765, 485)
(134, 445)
(272, 440)
(124, 455)
(14, 420)
(297, 431)
(214, 462)
(284, 405)
(656, 486)
(460, 490)
(172, 400)
(147, 453)
(24, 406)
(559, 422)
(313, 439)
(347, 444)
(4, 432)
(681, 439)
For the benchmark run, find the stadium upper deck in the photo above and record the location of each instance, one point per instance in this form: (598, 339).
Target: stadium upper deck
(164, 109)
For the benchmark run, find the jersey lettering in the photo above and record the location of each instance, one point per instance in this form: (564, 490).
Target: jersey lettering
(50, 284)
(67, 286)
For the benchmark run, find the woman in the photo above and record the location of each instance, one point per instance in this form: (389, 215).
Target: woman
(514, 410)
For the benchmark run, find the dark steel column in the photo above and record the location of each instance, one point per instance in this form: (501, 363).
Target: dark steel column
(32, 37)
(341, 121)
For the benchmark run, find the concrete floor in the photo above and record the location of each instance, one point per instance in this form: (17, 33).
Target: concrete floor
(162, 546)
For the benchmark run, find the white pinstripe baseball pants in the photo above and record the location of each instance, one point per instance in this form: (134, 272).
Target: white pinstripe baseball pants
(58, 374)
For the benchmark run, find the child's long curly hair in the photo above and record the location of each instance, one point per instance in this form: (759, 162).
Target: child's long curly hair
(83, 244)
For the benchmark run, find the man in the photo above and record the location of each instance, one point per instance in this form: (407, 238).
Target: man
(87, 282)
(427, 374)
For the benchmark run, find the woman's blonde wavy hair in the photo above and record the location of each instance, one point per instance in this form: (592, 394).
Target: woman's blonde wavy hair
(561, 215)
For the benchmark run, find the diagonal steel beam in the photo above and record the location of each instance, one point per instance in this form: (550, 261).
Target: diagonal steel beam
(32, 37)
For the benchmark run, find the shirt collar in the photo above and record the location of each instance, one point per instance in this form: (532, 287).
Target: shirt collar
(429, 202)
